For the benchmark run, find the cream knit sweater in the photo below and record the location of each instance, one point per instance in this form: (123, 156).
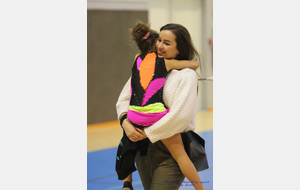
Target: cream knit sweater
(180, 96)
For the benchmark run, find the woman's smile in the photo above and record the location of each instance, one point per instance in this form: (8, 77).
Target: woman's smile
(160, 53)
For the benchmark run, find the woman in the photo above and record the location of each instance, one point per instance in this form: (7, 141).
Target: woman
(158, 170)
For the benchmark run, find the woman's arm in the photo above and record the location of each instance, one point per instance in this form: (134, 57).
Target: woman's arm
(134, 134)
(182, 110)
(180, 64)
(136, 56)
(123, 100)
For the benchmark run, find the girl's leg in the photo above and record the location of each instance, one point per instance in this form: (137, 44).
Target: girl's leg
(128, 178)
(176, 148)
(127, 186)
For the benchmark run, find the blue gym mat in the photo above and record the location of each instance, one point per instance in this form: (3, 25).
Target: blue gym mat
(101, 173)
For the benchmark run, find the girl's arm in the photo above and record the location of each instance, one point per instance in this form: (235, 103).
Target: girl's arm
(180, 64)
(177, 64)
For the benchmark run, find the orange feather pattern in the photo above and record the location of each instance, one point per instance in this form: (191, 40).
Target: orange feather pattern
(147, 69)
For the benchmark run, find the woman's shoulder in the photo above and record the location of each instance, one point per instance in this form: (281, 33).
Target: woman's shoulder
(188, 71)
(185, 73)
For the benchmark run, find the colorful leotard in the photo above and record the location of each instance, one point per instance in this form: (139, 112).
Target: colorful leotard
(148, 78)
(146, 108)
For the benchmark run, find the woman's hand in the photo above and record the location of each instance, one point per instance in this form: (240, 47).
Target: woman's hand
(133, 133)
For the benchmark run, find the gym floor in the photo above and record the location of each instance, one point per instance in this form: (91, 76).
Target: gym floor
(102, 142)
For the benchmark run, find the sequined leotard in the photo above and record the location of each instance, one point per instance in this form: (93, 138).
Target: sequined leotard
(146, 103)
(146, 107)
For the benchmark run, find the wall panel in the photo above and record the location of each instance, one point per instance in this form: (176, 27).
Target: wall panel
(109, 59)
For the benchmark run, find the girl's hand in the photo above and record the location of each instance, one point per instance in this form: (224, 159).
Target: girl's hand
(134, 134)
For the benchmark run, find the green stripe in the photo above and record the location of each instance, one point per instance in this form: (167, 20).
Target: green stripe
(152, 108)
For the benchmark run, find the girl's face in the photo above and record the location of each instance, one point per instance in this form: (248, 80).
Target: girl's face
(166, 45)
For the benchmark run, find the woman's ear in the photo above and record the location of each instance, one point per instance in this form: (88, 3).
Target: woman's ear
(177, 52)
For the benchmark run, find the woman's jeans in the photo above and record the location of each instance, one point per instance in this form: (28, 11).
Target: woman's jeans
(158, 170)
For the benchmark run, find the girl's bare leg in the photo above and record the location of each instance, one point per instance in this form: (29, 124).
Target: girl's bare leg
(176, 148)
(128, 178)
(127, 183)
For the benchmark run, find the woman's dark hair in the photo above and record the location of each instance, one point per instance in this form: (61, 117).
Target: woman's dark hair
(184, 42)
(139, 32)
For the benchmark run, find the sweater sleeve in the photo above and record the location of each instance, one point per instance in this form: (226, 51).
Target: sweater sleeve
(123, 100)
(182, 111)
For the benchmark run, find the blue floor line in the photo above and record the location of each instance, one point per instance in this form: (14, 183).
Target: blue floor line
(101, 169)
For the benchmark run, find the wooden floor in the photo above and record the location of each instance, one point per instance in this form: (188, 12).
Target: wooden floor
(108, 135)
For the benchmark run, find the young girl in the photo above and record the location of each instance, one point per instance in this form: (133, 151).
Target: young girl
(146, 106)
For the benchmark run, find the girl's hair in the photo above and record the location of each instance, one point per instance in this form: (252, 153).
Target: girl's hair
(184, 42)
(141, 38)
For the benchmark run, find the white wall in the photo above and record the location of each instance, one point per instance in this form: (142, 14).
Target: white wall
(207, 35)
(187, 13)
(196, 16)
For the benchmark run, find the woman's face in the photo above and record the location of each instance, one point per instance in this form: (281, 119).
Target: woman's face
(166, 45)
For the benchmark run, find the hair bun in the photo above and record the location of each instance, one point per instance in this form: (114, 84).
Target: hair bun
(139, 31)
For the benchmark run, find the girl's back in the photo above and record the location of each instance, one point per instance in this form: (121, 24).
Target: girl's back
(147, 81)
